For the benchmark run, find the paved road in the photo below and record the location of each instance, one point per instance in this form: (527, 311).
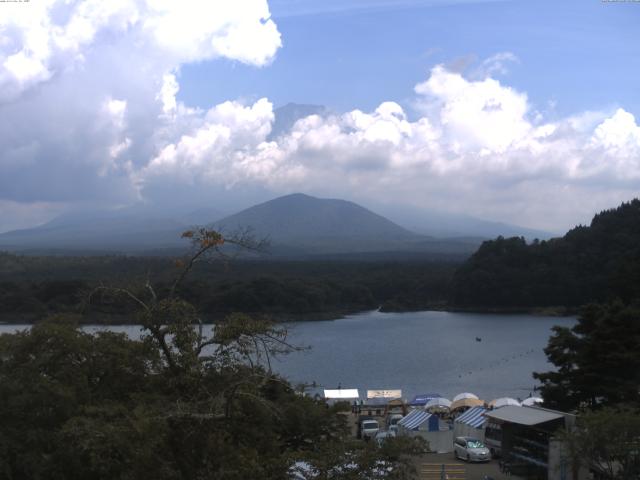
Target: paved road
(429, 467)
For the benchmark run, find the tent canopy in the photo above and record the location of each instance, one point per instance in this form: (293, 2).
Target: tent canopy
(529, 402)
(423, 399)
(474, 417)
(504, 401)
(461, 396)
(437, 403)
(417, 418)
(342, 394)
(466, 402)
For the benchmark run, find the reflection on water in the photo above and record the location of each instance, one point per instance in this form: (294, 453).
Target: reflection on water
(417, 352)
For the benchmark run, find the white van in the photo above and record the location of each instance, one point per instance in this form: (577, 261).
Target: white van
(369, 428)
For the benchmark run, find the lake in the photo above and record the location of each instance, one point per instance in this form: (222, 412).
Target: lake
(417, 352)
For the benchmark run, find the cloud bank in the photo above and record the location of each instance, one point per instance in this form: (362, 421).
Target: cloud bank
(89, 114)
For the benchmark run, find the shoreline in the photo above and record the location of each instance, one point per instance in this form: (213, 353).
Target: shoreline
(121, 319)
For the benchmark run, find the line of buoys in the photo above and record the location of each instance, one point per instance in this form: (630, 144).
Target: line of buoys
(502, 360)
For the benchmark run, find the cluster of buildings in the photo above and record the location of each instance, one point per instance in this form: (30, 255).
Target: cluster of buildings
(523, 435)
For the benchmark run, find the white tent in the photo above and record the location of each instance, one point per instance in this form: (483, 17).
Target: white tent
(465, 403)
(436, 404)
(503, 402)
(460, 396)
(531, 401)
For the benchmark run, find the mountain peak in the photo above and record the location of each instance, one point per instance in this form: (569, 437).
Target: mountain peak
(300, 219)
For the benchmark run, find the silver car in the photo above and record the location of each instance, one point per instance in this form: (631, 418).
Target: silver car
(471, 449)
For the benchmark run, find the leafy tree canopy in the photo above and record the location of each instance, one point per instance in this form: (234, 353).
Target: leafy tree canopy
(176, 404)
(597, 361)
(607, 441)
(589, 264)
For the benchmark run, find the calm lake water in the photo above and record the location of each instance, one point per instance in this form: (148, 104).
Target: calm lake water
(417, 352)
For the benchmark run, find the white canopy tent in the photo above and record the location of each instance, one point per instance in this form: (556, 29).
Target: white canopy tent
(464, 395)
(503, 402)
(437, 404)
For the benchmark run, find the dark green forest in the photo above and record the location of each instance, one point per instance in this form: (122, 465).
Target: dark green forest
(31, 287)
(182, 405)
(592, 263)
(175, 404)
(589, 264)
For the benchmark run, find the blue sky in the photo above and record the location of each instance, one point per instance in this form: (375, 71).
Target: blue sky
(573, 54)
(518, 111)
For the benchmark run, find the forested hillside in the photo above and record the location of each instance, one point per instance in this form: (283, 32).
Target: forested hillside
(31, 287)
(590, 263)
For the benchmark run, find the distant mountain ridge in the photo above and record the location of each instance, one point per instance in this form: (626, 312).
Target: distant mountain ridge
(298, 225)
(300, 216)
(123, 231)
(448, 225)
(301, 223)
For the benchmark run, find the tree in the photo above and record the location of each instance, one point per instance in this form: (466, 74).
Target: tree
(176, 404)
(608, 441)
(594, 263)
(598, 360)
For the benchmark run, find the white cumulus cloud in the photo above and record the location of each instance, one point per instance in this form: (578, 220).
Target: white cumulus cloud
(476, 147)
(89, 113)
(88, 88)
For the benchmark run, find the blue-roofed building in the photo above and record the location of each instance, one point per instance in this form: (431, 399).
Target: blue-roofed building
(422, 399)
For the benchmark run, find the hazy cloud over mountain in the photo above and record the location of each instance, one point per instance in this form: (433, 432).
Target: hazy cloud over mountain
(89, 114)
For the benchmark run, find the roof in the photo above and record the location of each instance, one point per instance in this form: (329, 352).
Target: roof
(473, 417)
(438, 402)
(342, 393)
(377, 402)
(414, 419)
(460, 396)
(466, 402)
(423, 398)
(523, 415)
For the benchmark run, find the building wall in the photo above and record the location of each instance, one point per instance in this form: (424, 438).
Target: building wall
(464, 430)
(560, 467)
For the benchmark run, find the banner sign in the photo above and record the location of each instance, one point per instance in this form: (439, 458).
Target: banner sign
(384, 393)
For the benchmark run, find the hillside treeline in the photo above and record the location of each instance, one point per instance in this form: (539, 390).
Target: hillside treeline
(175, 404)
(34, 286)
(589, 264)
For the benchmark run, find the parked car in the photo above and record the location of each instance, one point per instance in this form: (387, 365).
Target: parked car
(392, 422)
(393, 419)
(367, 427)
(471, 449)
(382, 436)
